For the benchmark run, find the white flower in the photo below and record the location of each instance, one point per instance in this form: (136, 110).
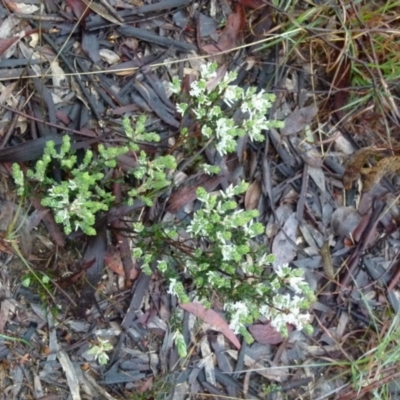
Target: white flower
(230, 95)
(255, 126)
(294, 282)
(229, 77)
(239, 311)
(226, 251)
(222, 128)
(265, 311)
(260, 102)
(246, 107)
(196, 89)
(175, 85)
(225, 145)
(197, 226)
(206, 131)
(279, 270)
(208, 71)
(172, 286)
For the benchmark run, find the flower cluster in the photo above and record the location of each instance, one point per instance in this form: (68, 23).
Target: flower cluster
(216, 118)
(292, 297)
(225, 262)
(77, 200)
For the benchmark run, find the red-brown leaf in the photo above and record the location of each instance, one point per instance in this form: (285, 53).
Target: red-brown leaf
(265, 334)
(78, 8)
(5, 44)
(114, 262)
(187, 193)
(232, 32)
(252, 196)
(212, 318)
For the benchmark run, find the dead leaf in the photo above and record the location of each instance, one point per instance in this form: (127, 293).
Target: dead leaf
(252, 196)
(114, 262)
(21, 8)
(318, 177)
(385, 166)
(266, 333)
(231, 34)
(59, 79)
(5, 44)
(27, 9)
(308, 152)
(344, 220)
(101, 10)
(284, 245)
(355, 164)
(79, 8)
(212, 318)
(299, 119)
(260, 26)
(7, 27)
(187, 192)
(109, 56)
(280, 374)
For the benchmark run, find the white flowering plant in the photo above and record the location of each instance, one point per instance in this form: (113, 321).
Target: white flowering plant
(77, 199)
(216, 253)
(222, 259)
(213, 106)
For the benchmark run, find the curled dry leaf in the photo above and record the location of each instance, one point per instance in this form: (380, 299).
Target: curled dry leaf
(252, 196)
(109, 56)
(21, 8)
(212, 318)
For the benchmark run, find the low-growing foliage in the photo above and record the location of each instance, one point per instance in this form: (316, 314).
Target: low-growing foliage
(99, 351)
(216, 251)
(222, 259)
(84, 191)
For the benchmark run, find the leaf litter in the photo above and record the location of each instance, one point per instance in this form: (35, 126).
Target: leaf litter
(95, 62)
